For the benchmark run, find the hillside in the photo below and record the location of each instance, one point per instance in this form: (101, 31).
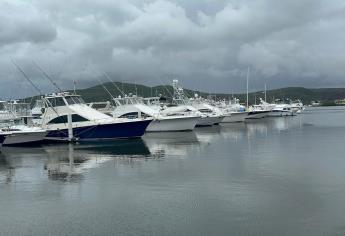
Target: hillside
(98, 93)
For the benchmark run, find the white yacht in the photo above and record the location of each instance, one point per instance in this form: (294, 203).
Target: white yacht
(260, 111)
(68, 118)
(233, 111)
(297, 106)
(137, 107)
(16, 123)
(281, 110)
(210, 115)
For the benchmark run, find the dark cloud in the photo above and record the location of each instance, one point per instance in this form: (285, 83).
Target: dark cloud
(207, 44)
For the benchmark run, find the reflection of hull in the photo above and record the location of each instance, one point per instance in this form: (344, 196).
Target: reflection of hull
(104, 131)
(257, 114)
(172, 143)
(24, 138)
(235, 117)
(173, 124)
(209, 120)
(2, 139)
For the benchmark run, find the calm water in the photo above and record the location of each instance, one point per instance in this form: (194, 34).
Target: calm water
(280, 176)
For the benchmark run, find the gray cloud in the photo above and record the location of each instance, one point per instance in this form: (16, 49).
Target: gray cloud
(207, 44)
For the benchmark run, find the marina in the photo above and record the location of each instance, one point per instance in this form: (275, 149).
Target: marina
(65, 117)
(170, 117)
(241, 178)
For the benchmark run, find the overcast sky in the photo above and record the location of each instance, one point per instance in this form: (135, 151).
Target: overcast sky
(207, 44)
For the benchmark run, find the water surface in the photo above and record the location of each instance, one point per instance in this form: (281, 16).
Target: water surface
(279, 176)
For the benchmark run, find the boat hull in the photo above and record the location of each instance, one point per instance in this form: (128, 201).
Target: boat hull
(209, 121)
(257, 114)
(277, 113)
(121, 130)
(173, 124)
(24, 138)
(235, 117)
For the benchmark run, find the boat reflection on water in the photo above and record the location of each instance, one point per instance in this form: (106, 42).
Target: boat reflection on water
(69, 162)
(277, 124)
(6, 170)
(170, 143)
(66, 162)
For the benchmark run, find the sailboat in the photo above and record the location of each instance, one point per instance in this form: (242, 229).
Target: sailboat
(255, 112)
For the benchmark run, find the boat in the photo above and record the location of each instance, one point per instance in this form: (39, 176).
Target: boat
(233, 111)
(16, 122)
(297, 107)
(281, 110)
(138, 107)
(68, 118)
(209, 115)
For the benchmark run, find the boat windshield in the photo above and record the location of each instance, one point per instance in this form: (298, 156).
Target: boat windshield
(74, 100)
(56, 102)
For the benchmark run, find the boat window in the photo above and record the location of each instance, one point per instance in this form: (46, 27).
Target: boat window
(130, 115)
(78, 118)
(74, 100)
(64, 119)
(144, 115)
(58, 120)
(56, 102)
(205, 110)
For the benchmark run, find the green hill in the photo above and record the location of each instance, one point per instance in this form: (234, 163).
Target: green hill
(98, 93)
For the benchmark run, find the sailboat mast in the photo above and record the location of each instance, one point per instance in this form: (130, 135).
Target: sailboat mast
(248, 87)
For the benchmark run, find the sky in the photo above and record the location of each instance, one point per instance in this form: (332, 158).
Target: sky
(207, 44)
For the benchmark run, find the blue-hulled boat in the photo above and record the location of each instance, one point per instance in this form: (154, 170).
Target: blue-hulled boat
(66, 117)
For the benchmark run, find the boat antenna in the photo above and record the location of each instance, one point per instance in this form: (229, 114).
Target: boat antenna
(27, 77)
(164, 86)
(51, 80)
(265, 93)
(33, 85)
(114, 84)
(105, 88)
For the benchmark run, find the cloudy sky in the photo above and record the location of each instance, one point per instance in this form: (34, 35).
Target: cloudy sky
(207, 44)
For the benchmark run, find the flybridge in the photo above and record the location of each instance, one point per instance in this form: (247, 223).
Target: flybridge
(63, 99)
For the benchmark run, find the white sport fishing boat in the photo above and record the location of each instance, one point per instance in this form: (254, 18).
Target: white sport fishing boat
(68, 118)
(297, 106)
(210, 115)
(16, 123)
(136, 107)
(233, 111)
(281, 110)
(260, 111)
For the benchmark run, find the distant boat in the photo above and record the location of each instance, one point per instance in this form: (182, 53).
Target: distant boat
(68, 118)
(315, 103)
(260, 111)
(138, 107)
(16, 123)
(210, 115)
(233, 111)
